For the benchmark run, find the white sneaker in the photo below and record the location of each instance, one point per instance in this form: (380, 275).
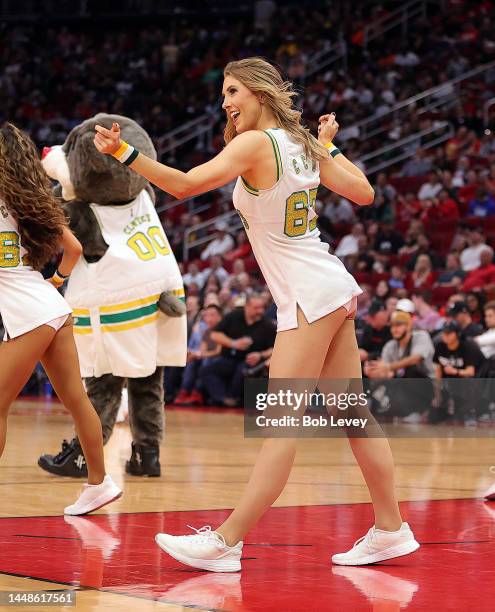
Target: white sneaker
(205, 549)
(94, 536)
(378, 545)
(413, 418)
(490, 494)
(208, 591)
(378, 585)
(490, 510)
(94, 497)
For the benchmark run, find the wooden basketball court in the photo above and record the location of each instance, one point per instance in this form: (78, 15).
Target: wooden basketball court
(112, 562)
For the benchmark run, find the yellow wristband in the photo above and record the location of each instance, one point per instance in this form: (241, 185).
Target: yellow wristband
(58, 279)
(126, 153)
(332, 149)
(121, 149)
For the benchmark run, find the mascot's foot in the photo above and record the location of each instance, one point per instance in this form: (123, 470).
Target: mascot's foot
(70, 461)
(144, 461)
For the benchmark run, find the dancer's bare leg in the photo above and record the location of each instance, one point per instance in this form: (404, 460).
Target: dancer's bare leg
(61, 363)
(372, 454)
(18, 358)
(298, 354)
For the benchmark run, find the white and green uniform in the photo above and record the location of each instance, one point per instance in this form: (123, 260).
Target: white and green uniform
(27, 300)
(281, 225)
(118, 327)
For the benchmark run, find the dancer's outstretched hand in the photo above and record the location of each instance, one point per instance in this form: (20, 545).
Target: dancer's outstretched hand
(107, 141)
(327, 128)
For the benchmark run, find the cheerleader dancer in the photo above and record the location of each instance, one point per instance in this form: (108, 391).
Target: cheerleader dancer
(279, 165)
(36, 318)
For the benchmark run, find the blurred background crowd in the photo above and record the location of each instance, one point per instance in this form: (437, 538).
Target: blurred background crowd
(414, 94)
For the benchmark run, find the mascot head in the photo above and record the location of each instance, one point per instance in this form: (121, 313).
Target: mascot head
(88, 176)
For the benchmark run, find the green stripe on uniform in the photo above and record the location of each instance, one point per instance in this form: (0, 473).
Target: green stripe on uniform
(82, 321)
(248, 188)
(276, 151)
(128, 315)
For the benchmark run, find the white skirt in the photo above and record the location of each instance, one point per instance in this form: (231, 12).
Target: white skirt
(27, 301)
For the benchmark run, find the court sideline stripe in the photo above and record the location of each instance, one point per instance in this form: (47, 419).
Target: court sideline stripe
(343, 504)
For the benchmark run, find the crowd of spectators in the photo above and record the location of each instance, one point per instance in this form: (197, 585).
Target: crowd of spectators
(423, 253)
(158, 69)
(428, 279)
(164, 71)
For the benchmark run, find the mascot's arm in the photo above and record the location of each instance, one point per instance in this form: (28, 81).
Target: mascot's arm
(171, 305)
(240, 156)
(83, 223)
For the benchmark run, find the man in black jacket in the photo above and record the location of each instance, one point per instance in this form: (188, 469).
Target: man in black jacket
(457, 357)
(247, 339)
(376, 332)
(461, 315)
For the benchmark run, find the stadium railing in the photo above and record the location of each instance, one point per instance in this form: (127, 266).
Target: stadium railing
(205, 124)
(430, 98)
(196, 128)
(400, 17)
(231, 219)
(191, 209)
(404, 148)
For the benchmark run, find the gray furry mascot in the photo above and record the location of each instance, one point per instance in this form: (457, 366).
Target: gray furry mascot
(126, 292)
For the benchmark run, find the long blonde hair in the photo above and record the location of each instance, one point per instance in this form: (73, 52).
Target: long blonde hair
(26, 190)
(260, 77)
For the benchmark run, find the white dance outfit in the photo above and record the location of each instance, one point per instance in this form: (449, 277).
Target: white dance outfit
(281, 226)
(27, 300)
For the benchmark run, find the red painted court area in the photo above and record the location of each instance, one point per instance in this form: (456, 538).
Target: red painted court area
(286, 564)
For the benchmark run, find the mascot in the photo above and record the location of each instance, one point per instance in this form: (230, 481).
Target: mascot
(126, 292)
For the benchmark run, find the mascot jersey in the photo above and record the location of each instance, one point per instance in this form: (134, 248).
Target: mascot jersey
(118, 326)
(26, 299)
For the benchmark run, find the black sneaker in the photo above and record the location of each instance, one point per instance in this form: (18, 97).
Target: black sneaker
(144, 461)
(70, 461)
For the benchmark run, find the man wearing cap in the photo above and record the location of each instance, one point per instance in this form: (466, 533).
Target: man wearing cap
(409, 354)
(456, 357)
(459, 312)
(376, 332)
(222, 242)
(406, 305)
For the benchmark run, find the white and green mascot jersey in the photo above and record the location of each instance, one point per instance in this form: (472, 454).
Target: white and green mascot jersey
(126, 291)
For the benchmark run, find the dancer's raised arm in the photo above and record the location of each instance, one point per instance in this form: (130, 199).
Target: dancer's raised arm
(237, 158)
(338, 173)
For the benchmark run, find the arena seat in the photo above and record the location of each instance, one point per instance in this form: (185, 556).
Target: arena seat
(440, 295)
(405, 184)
